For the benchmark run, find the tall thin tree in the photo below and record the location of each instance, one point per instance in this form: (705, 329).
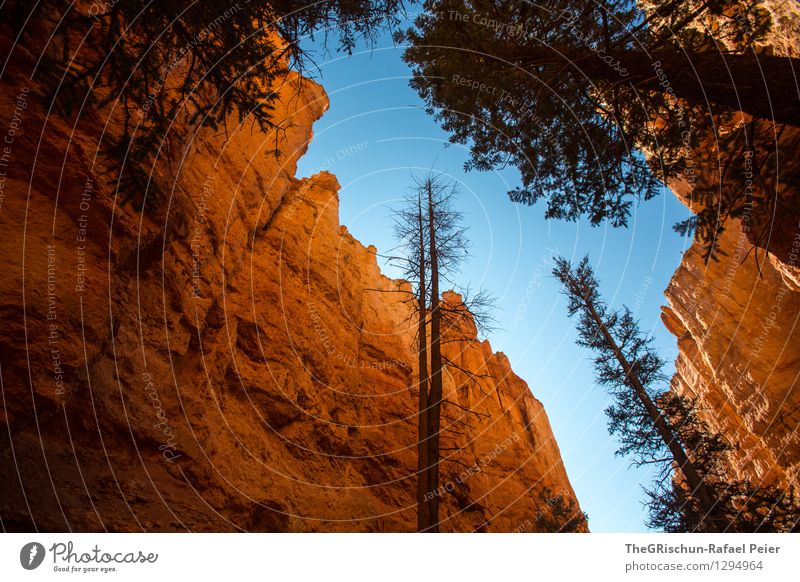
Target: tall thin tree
(410, 228)
(628, 364)
(435, 205)
(663, 428)
(433, 241)
(422, 433)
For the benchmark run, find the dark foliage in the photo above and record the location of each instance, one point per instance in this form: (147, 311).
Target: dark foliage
(692, 491)
(572, 94)
(188, 61)
(560, 515)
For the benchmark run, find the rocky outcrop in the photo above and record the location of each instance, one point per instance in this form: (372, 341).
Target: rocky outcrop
(234, 360)
(736, 319)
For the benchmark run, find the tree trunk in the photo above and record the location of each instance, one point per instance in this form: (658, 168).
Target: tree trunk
(687, 468)
(423, 520)
(435, 396)
(762, 86)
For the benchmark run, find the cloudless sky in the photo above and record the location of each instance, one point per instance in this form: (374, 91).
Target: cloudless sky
(513, 245)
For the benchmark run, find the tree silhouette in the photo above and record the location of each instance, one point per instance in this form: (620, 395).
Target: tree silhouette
(572, 93)
(560, 515)
(193, 62)
(662, 428)
(433, 245)
(410, 229)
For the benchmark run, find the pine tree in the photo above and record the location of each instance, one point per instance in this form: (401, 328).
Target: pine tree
(560, 515)
(572, 94)
(193, 61)
(660, 428)
(739, 505)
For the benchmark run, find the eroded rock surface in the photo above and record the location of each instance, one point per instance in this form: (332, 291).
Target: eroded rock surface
(234, 360)
(737, 320)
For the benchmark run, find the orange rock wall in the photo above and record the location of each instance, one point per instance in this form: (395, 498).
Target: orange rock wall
(737, 322)
(738, 341)
(234, 360)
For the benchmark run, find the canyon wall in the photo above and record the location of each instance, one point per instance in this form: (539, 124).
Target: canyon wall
(232, 360)
(736, 322)
(737, 319)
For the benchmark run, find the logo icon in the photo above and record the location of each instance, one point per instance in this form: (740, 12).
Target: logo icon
(31, 555)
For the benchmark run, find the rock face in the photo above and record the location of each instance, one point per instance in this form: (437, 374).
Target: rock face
(737, 322)
(233, 361)
(738, 338)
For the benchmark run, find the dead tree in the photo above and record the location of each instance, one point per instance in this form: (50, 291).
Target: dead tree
(434, 244)
(409, 228)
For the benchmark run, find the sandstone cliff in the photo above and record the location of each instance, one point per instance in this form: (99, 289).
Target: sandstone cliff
(736, 319)
(233, 361)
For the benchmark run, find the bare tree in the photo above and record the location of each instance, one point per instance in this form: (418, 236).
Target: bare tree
(435, 394)
(433, 246)
(409, 228)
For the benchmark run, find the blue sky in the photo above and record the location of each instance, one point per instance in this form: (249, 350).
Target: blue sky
(376, 135)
